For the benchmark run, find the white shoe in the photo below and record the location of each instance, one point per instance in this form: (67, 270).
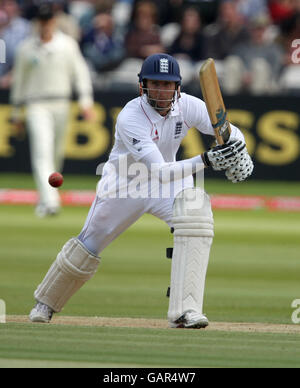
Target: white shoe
(42, 211)
(190, 320)
(41, 313)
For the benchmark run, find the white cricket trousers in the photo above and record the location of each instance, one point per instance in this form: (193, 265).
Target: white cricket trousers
(109, 217)
(47, 126)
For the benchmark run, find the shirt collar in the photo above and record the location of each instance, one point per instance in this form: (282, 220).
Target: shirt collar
(51, 44)
(151, 113)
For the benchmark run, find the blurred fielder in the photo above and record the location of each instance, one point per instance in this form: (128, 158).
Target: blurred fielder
(142, 176)
(47, 65)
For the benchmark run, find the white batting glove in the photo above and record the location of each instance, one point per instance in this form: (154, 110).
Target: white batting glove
(225, 156)
(240, 171)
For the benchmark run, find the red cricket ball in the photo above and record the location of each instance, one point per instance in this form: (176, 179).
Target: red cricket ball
(55, 179)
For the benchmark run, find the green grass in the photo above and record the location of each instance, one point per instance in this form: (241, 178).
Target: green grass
(25, 181)
(253, 276)
(218, 186)
(105, 347)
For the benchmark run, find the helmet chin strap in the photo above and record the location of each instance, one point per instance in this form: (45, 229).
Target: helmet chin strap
(154, 102)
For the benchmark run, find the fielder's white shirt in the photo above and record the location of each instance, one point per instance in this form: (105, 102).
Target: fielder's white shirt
(143, 136)
(45, 71)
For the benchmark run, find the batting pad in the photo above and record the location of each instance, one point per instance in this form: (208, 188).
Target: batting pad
(193, 234)
(73, 266)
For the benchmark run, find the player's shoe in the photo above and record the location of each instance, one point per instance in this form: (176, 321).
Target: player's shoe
(42, 211)
(41, 313)
(190, 320)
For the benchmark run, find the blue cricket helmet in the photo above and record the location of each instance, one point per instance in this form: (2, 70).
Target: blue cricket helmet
(162, 67)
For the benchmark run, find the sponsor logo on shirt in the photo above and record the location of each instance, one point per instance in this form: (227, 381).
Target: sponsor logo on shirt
(135, 142)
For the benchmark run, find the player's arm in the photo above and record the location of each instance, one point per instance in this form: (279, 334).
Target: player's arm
(172, 171)
(232, 156)
(144, 150)
(17, 91)
(82, 81)
(196, 115)
(243, 165)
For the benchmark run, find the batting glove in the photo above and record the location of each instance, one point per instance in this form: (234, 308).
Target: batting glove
(225, 156)
(241, 171)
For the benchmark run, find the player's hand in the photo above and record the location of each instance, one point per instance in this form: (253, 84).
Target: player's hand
(87, 114)
(241, 171)
(18, 126)
(224, 156)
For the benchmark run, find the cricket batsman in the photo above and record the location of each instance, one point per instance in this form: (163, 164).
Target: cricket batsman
(149, 131)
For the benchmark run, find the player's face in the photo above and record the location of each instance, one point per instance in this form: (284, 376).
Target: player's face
(161, 94)
(47, 28)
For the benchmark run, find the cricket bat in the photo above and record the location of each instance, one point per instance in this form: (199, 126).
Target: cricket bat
(214, 101)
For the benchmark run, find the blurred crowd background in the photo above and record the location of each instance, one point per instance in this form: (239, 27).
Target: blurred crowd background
(255, 43)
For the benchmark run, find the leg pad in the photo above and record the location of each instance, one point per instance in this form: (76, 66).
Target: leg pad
(193, 235)
(73, 266)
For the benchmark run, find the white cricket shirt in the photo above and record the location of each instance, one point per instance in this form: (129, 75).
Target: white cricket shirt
(144, 137)
(48, 71)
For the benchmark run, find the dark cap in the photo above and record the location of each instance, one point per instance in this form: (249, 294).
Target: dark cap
(160, 67)
(45, 11)
(260, 21)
